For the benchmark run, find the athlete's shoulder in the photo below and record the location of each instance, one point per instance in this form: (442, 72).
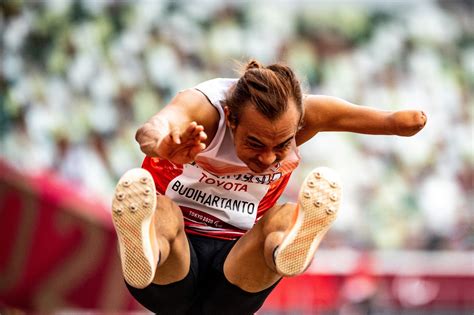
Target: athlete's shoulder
(190, 99)
(209, 92)
(216, 89)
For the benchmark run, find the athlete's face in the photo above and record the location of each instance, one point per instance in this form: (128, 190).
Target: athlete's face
(260, 142)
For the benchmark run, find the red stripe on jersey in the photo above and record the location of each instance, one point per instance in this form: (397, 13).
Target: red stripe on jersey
(163, 172)
(272, 195)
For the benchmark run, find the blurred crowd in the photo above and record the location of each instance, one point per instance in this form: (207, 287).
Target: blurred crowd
(79, 77)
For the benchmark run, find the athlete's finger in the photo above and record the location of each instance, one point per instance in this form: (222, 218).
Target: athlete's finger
(197, 130)
(202, 136)
(189, 130)
(175, 135)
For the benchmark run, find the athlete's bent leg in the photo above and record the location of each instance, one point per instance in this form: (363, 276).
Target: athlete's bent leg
(152, 243)
(154, 249)
(249, 264)
(172, 242)
(284, 241)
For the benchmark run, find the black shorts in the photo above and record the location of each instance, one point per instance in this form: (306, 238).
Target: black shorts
(205, 290)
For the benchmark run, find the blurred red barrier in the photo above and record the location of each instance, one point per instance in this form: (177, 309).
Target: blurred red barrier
(57, 247)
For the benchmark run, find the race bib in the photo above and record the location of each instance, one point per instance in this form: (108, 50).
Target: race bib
(232, 199)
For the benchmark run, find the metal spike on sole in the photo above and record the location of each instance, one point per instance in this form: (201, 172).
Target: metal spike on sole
(314, 218)
(132, 217)
(330, 210)
(120, 196)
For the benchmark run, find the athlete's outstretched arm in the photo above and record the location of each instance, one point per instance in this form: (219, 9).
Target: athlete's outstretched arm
(327, 113)
(176, 133)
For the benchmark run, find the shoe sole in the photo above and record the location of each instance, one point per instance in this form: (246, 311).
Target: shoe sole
(132, 213)
(318, 204)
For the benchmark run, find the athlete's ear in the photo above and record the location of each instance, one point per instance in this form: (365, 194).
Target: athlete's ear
(227, 117)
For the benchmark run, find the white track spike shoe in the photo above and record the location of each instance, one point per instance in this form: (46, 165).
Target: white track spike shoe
(133, 207)
(318, 204)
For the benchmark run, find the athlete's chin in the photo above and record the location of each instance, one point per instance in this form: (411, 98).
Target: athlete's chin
(256, 168)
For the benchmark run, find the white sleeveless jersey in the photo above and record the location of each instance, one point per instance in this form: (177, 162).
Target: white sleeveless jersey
(219, 195)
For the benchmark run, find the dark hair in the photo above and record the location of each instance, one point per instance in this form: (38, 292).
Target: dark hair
(269, 89)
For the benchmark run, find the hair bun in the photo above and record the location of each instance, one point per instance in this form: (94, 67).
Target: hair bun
(253, 64)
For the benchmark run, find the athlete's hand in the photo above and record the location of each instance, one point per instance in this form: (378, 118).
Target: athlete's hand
(409, 122)
(183, 146)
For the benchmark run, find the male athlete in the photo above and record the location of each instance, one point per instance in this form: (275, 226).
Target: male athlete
(198, 226)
